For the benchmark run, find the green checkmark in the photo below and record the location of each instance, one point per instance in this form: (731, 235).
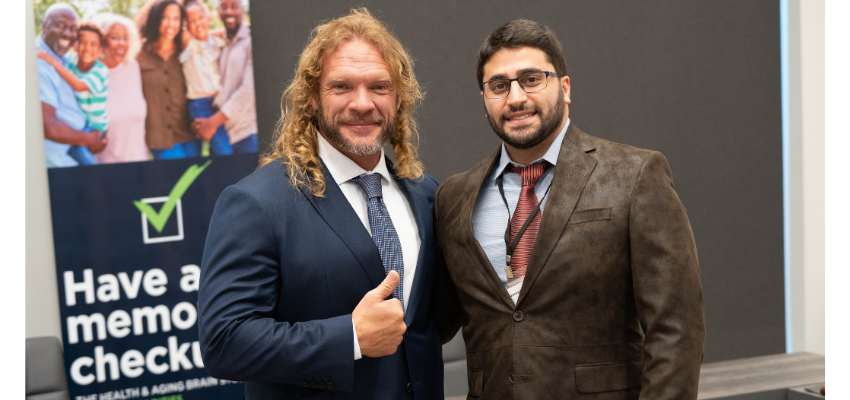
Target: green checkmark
(158, 219)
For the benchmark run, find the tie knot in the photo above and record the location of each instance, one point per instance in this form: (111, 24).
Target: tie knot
(530, 174)
(371, 184)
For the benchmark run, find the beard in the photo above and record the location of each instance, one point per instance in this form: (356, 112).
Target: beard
(331, 130)
(549, 122)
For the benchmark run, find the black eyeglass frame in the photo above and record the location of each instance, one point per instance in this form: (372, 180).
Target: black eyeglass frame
(510, 83)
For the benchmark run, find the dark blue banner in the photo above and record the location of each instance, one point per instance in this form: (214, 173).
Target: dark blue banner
(129, 240)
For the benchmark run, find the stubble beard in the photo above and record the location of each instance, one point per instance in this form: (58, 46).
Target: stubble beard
(548, 124)
(331, 131)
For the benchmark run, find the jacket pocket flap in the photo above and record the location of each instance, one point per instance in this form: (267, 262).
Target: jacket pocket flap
(476, 381)
(608, 377)
(595, 214)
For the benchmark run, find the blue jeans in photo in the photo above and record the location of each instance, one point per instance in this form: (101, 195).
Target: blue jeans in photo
(82, 154)
(247, 145)
(191, 148)
(203, 108)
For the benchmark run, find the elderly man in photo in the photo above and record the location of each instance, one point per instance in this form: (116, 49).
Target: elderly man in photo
(64, 121)
(303, 254)
(237, 109)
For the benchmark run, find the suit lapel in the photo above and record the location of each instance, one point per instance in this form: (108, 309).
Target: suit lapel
(340, 216)
(422, 212)
(469, 199)
(571, 174)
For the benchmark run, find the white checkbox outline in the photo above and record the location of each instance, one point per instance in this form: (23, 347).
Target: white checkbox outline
(146, 237)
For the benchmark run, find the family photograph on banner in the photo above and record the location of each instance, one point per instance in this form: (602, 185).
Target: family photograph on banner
(154, 102)
(135, 80)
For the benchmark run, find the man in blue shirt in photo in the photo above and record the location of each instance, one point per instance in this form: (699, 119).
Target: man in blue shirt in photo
(63, 118)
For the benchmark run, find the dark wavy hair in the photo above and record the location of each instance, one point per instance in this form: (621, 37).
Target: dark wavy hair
(519, 33)
(150, 29)
(90, 27)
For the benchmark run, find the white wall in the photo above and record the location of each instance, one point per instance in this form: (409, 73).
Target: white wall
(807, 173)
(42, 297)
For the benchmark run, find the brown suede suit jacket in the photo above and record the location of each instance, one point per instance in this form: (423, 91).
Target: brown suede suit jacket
(611, 305)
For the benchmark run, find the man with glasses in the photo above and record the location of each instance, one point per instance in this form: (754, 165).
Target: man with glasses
(569, 260)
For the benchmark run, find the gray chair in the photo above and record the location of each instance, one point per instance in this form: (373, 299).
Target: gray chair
(45, 370)
(454, 361)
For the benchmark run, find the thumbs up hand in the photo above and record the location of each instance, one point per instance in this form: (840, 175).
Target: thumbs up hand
(379, 323)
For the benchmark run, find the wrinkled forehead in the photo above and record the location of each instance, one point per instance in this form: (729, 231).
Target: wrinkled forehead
(61, 15)
(355, 56)
(118, 29)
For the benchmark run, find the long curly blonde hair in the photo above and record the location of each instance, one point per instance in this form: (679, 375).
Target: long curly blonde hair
(295, 134)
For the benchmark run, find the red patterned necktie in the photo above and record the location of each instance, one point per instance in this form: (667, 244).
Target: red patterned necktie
(527, 201)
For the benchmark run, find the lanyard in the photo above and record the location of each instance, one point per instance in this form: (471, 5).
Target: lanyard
(510, 246)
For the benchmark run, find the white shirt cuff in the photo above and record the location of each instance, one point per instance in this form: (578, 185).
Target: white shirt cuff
(357, 354)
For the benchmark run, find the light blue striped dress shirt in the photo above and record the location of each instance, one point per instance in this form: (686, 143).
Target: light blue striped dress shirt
(57, 93)
(491, 217)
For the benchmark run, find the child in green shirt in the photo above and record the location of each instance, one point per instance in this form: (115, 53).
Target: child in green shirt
(89, 79)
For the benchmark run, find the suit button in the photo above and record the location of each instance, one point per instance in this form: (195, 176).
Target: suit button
(406, 334)
(321, 385)
(409, 387)
(314, 385)
(518, 316)
(305, 384)
(329, 385)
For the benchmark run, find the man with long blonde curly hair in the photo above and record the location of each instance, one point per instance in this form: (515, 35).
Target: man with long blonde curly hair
(296, 141)
(318, 268)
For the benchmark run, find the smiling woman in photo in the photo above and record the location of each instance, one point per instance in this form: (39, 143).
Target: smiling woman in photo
(168, 134)
(126, 103)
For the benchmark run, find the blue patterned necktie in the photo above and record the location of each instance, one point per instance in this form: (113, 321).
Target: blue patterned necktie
(383, 231)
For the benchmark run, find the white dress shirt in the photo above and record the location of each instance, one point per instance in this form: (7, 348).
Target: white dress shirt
(343, 169)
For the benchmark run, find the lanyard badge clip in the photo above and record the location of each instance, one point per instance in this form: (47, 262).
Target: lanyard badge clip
(511, 245)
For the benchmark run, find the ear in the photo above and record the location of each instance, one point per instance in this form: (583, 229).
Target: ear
(314, 103)
(565, 84)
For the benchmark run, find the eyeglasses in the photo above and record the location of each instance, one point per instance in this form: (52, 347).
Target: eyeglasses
(531, 82)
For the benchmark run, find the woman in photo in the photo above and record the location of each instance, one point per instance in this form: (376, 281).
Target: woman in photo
(125, 103)
(167, 130)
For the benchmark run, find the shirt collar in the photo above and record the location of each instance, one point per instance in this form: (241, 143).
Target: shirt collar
(243, 33)
(551, 154)
(40, 45)
(342, 168)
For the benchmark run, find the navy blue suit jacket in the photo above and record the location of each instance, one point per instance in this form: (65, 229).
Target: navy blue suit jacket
(281, 273)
